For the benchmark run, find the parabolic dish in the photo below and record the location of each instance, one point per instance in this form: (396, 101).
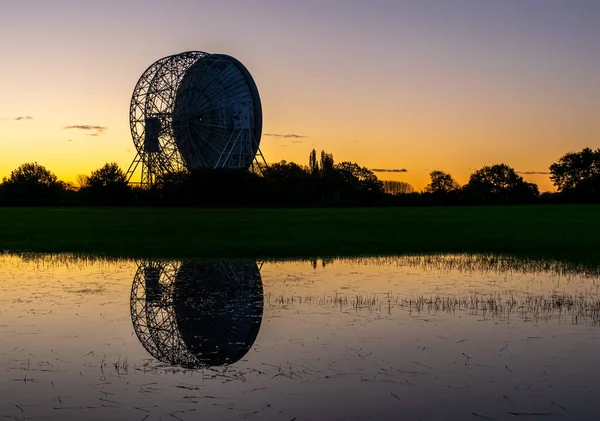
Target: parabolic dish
(194, 111)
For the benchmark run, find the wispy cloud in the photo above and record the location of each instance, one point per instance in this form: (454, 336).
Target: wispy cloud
(285, 136)
(389, 170)
(534, 172)
(20, 118)
(93, 130)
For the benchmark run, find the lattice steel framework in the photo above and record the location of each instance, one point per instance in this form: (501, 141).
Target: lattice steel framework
(192, 111)
(196, 314)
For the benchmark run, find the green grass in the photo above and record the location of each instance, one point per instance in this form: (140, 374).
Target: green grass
(560, 232)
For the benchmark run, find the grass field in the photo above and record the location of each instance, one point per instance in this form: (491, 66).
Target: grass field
(561, 232)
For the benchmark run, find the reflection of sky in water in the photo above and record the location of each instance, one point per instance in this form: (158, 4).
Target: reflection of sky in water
(401, 338)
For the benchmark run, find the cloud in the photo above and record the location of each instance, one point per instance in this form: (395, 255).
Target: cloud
(285, 136)
(534, 172)
(95, 130)
(389, 170)
(20, 118)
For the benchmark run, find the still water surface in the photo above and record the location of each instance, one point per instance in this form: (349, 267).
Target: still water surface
(450, 337)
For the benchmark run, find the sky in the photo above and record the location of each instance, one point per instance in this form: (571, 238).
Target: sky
(414, 85)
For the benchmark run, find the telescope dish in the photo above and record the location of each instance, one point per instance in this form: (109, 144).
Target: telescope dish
(195, 111)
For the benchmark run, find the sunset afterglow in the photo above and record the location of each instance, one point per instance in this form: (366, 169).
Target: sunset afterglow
(392, 85)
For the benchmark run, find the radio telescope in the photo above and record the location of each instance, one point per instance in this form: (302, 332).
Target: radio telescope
(196, 314)
(193, 111)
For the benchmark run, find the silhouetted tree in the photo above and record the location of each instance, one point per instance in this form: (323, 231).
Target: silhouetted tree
(356, 181)
(397, 187)
(81, 180)
(289, 183)
(441, 182)
(327, 163)
(285, 170)
(313, 164)
(107, 176)
(577, 174)
(499, 184)
(533, 189)
(32, 184)
(107, 186)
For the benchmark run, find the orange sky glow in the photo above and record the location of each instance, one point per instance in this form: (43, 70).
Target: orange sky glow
(388, 84)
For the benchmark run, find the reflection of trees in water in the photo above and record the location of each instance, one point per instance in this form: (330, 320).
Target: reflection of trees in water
(460, 262)
(196, 314)
(471, 263)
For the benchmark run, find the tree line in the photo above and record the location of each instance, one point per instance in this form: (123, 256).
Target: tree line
(322, 182)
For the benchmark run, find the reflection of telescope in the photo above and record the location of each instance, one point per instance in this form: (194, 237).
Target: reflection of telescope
(197, 314)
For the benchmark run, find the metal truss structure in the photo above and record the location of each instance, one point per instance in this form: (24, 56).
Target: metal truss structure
(196, 314)
(193, 111)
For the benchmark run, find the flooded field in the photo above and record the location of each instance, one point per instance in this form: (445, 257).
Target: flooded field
(450, 337)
